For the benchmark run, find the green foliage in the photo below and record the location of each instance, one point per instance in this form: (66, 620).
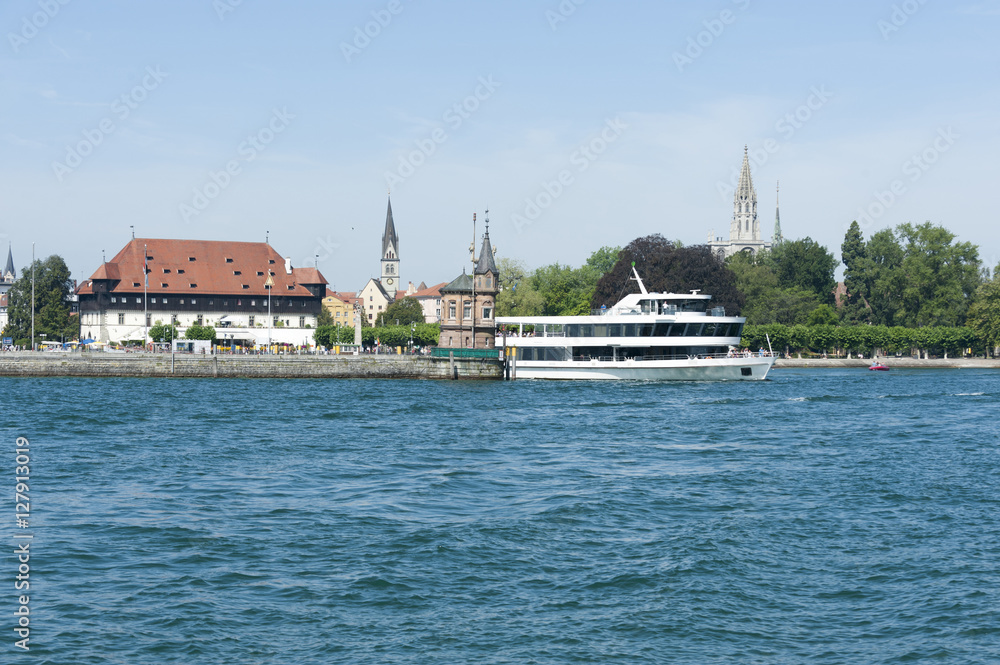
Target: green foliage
(766, 301)
(162, 333)
(665, 266)
(865, 339)
(52, 288)
(941, 277)
(854, 255)
(984, 313)
(200, 332)
(807, 265)
(517, 296)
(324, 318)
(824, 315)
(405, 311)
(424, 334)
(330, 336)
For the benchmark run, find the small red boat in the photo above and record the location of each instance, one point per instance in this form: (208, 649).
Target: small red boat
(878, 367)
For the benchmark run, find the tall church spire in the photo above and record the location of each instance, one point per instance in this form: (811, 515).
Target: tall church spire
(777, 238)
(486, 263)
(9, 274)
(390, 255)
(744, 226)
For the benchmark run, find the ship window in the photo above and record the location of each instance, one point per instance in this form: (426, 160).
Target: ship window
(645, 329)
(601, 330)
(693, 330)
(661, 330)
(746, 371)
(615, 330)
(677, 330)
(629, 330)
(710, 329)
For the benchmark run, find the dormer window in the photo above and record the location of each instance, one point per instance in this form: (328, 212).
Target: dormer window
(271, 261)
(260, 273)
(246, 286)
(163, 284)
(166, 271)
(136, 284)
(193, 285)
(180, 271)
(291, 287)
(228, 260)
(191, 258)
(237, 272)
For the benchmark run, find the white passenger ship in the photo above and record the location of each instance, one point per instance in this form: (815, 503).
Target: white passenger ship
(654, 336)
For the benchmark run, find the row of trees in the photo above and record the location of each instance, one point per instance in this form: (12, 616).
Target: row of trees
(867, 340)
(422, 334)
(552, 290)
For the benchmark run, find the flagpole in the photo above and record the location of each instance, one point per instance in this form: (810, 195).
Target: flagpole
(145, 298)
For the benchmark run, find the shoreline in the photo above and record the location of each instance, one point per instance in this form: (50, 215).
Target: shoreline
(891, 362)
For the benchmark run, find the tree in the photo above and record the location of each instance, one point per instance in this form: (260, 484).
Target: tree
(855, 258)
(984, 313)
(940, 277)
(324, 318)
(200, 332)
(664, 266)
(405, 310)
(51, 303)
(162, 333)
(805, 264)
(824, 315)
(884, 277)
(766, 302)
(517, 296)
(563, 290)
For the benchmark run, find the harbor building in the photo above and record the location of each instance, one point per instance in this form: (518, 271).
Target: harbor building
(468, 303)
(247, 291)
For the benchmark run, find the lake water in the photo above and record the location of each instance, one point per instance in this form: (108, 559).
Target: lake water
(822, 516)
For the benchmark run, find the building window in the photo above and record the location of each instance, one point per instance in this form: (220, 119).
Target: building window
(275, 320)
(166, 271)
(487, 312)
(121, 319)
(438, 312)
(152, 300)
(302, 322)
(228, 260)
(467, 311)
(173, 319)
(164, 301)
(451, 311)
(200, 320)
(182, 301)
(149, 320)
(191, 258)
(193, 285)
(180, 271)
(138, 301)
(251, 320)
(489, 281)
(237, 272)
(163, 284)
(193, 301)
(113, 299)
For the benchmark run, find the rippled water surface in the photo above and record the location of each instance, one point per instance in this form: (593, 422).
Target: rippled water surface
(822, 516)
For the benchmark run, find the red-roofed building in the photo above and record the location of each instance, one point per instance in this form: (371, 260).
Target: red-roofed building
(204, 282)
(429, 298)
(341, 305)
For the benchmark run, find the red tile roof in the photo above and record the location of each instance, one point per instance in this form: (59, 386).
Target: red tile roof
(203, 267)
(429, 292)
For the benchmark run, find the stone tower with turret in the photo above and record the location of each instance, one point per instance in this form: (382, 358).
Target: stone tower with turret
(744, 229)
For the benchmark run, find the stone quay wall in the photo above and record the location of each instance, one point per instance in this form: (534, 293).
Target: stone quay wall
(238, 366)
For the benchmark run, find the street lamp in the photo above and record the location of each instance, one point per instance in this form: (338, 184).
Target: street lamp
(413, 327)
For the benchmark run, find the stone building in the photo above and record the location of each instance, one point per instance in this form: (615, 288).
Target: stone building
(744, 229)
(468, 304)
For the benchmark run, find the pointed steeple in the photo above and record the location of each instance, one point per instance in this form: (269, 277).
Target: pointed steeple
(744, 226)
(389, 238)
(777, 238)
(9, 274)
(486, 263)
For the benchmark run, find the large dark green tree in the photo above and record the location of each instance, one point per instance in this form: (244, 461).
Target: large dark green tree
(807, 265)
(766, 302)
(665, 266)
(940, 276)
(402, 312)
(853, 254)
(883, 278)
(51, 304)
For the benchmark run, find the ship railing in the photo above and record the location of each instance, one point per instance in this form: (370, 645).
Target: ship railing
(678, 356)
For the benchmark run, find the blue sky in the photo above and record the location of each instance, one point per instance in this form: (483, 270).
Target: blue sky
(578, 123)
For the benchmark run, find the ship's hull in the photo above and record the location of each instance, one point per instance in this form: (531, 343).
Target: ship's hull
(720, 369)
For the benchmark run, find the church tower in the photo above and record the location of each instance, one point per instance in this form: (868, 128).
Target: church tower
(777, 238)
(744, 227)
(9, 274)
(390, 256)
